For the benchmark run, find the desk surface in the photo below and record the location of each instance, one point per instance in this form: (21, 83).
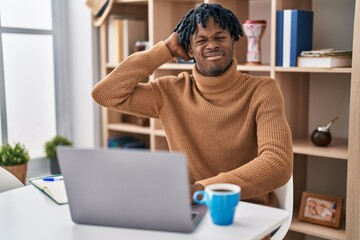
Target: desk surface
(27, 213)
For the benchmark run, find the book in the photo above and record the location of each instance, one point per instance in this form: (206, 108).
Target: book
(125, 142)
(118, 41)
(279, 37)
(297, 35)
(55, 190)
(134, 145)
(119, 141)
(325, 61)
(326, 52)
(110, 40)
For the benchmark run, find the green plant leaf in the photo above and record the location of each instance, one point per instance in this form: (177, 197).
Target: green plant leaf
(51, 145)
(13, 155)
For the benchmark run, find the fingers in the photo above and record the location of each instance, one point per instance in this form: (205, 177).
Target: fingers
(177, 50)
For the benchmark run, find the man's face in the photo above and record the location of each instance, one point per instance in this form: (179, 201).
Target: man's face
(212, 48)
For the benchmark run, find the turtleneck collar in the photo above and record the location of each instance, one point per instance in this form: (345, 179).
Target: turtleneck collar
(215, 84)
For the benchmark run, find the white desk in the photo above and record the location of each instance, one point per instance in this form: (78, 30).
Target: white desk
(26, 213)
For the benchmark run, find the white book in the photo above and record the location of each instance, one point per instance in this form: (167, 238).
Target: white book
(286, 38)
(111, 50)
(325, 62)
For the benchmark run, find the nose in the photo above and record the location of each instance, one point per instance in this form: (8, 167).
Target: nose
(212, 43)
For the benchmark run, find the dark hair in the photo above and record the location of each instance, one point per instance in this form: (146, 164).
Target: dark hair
(187, 25)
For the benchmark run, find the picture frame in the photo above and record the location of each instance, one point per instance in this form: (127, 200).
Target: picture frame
(321, 209)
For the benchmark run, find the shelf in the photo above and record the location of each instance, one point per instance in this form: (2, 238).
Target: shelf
(132, 1)
(317, 230)
(260, 68)
(313, 70)
(126, 127)
(177, 66)
(337, 149)
(159, 133)
(254, 68)
(110, 66)
(190, 66)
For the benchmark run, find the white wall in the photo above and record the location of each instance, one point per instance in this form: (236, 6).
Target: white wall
(83, 70)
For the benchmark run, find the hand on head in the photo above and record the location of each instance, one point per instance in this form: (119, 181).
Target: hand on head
(177, 50)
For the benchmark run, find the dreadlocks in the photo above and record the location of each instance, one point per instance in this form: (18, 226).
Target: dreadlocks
(224, 17)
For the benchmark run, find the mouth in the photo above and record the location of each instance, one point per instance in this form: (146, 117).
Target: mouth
(212, 56)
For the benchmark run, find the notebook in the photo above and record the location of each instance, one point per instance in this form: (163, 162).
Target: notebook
(129, 188)
(53, 189)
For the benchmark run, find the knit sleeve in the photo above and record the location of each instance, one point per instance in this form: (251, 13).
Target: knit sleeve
(273, 166)
(123, 88)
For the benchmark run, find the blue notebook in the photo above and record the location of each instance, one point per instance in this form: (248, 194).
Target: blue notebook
(297, 26)
(279, 37)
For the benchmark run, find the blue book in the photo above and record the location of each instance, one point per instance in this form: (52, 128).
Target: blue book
(297, 35)
(119, 141)
(279, 37)
(134, 145)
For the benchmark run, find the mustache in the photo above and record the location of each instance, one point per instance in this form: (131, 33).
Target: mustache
(213, 53)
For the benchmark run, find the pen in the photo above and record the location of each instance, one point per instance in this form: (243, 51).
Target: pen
(52, 179)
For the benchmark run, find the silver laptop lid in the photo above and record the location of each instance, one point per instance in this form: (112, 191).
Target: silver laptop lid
(128, 188)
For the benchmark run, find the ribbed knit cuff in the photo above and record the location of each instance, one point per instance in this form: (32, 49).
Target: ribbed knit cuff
(212, 180)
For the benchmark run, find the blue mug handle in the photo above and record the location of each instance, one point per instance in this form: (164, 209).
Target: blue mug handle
(199, 193)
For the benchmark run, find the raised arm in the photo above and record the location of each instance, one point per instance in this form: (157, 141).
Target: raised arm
(125, 89)
(177, 50)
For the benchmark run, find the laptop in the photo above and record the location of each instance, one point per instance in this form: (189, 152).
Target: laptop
(129, 188)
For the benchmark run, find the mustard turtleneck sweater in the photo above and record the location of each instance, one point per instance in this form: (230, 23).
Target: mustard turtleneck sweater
(232, 127)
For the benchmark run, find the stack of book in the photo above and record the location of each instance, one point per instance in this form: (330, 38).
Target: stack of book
(294, 31)
(325, 58)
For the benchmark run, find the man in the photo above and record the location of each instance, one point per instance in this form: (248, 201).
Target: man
(231, 125)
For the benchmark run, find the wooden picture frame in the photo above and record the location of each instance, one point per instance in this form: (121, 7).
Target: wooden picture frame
(321, 209)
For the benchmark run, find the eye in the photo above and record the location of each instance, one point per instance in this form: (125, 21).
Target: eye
(200, 41)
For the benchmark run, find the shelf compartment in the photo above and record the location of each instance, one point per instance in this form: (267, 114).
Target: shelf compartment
(127, 127)
(135, 8)
(317, 230)
(143, 138)
(337, 149)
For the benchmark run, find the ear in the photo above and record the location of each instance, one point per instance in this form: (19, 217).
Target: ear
(190, 52)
